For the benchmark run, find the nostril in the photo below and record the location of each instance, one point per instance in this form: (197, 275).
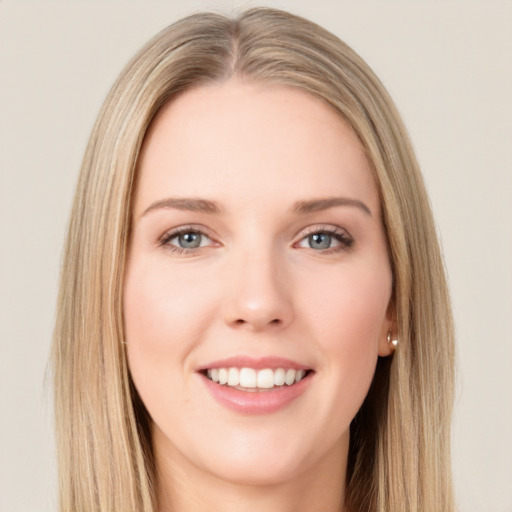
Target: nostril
(241, 321)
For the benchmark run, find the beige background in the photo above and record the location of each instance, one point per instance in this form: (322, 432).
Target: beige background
(448, 64)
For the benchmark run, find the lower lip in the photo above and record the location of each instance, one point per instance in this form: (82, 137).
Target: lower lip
(257, 402)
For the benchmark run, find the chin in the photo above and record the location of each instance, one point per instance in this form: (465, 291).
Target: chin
(257, 471)
(269, 458)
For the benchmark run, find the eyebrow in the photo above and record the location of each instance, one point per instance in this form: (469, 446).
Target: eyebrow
(317, 205)
(189, 204)
(301, 207)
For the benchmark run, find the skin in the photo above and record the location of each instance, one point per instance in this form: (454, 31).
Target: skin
(256, 286)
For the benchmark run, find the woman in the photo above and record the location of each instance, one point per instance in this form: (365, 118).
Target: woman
(253, 309)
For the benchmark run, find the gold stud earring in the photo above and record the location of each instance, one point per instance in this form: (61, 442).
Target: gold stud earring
(392, 343)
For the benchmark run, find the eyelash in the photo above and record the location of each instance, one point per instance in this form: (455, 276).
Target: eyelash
(345, 240)
(169, 235)
(341, 236)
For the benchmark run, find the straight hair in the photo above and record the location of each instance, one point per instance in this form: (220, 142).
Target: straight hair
(399, 454)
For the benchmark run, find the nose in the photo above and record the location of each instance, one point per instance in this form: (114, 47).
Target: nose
(259, 296)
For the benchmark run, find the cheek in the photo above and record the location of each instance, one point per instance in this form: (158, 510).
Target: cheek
(350, 309)
(350, 318)
(165, 313)
(162, 307)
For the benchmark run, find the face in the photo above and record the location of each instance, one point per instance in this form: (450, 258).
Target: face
(258, 284)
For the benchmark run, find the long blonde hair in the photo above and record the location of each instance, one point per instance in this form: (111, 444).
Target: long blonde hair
(399, 458)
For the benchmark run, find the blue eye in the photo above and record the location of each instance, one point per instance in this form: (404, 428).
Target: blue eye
(188, 240)
(327, 240)
(185, 240)
(320, 241)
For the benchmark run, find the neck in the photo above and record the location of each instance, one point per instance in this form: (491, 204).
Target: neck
(184, 487)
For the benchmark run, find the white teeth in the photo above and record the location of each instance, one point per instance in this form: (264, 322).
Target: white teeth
(223, 376)
(251, 378)
(289, 378)
(233, 377)
(248, 378)
(279, 377)
(266, 379)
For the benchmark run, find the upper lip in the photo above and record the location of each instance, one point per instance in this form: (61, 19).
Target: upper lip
(258, 363)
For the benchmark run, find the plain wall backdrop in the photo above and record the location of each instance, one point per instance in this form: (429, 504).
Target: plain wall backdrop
(447, 64)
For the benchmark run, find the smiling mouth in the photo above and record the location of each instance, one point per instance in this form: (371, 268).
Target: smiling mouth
(252, 380)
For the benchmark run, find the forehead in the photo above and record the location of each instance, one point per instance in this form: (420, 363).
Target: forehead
(243, 141)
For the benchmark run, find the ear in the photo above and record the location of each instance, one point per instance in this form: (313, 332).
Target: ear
(388, 332)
